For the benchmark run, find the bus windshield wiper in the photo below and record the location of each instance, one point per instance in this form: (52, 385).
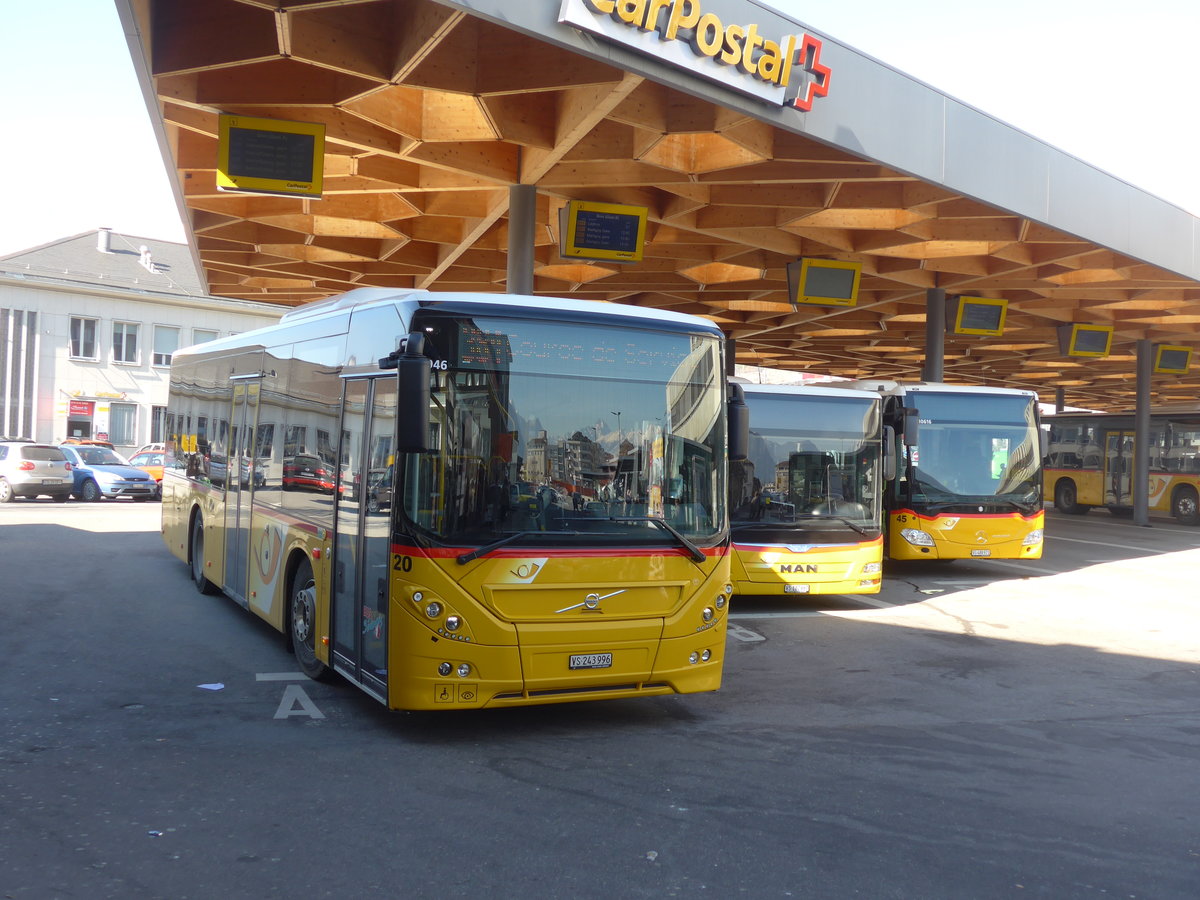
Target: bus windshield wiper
(842, 519)
(695, 552)
(494, 545)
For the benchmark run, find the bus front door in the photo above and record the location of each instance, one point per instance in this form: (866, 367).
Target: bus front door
(362, 548)
(239, 486)
(1118, 468)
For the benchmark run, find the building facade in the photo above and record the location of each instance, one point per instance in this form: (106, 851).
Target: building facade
(88, 326)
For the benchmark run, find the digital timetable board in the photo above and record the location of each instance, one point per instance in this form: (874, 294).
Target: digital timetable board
(1093, 341)
(976, 315)
(270, 156)
(605, 231)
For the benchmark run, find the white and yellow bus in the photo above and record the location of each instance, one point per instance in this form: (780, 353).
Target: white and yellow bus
(422, 493)
(1090, 463)
(968, 472)
(805, 503)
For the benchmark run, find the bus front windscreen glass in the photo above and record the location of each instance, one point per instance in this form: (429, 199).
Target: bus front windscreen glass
(813, 462)
(976, 448)
(568, 433)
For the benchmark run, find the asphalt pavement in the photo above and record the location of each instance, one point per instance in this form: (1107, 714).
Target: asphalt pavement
(975, 730)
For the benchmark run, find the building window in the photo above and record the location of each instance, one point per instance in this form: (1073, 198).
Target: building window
(125, 342)
(166, 342)
(83, 338)
(158, 426)
(122, 424)
(203, 335)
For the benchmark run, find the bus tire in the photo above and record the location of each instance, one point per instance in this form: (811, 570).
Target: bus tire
(302, 622)
(1185, 506)
(1066, 499)
(196, 557)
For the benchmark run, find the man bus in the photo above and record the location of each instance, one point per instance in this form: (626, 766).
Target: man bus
(968, 472)
(805, 503)
(347, 476)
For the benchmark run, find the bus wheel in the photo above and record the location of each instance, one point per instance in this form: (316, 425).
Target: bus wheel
(203, 585)
(1184, 506)
(302, 622)
(1065, 499)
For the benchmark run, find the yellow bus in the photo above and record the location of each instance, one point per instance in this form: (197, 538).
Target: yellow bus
(805, 504)
(1090, 463)
(420, 492)
(968, 472)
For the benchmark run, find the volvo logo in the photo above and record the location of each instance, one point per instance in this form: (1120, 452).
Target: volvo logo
(591, 603)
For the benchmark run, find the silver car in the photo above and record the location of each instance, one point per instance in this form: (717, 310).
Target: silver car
(31, 470)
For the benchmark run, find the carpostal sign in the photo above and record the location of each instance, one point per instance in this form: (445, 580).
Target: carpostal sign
(784, 69)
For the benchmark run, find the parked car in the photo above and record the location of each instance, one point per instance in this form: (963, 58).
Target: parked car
(307, 473)
(30, 470)
(150, 462)
(88, 442)
(100, 472)
(157, 447)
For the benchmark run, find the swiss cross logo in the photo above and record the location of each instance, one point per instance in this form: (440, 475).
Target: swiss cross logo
(815, 82)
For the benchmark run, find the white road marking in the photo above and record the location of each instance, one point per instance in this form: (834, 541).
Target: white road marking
(741, 633)
(280, 676)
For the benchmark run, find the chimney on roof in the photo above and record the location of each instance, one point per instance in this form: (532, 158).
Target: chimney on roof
(146, 261)
(104, 240)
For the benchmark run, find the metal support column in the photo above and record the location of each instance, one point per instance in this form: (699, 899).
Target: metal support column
(935, 334)
(1141, 435)
(730, 355)
(522, 217)
(1060, 399)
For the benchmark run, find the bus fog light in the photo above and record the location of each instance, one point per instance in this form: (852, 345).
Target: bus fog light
(706, 655)
(445, 669)
(694, 657)
(453, 623)
(707, 614)
(872, 568)
(433, 609)
(1034, 537)
(916, 537)
(464, 669)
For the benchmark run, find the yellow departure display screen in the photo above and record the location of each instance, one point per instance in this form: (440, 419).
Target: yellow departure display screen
(270, 156)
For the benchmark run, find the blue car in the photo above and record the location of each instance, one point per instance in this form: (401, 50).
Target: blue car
(100, 472)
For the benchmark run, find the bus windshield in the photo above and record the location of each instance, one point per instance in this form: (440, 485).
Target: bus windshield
(974, 448)
(813, 461)
(561, 432)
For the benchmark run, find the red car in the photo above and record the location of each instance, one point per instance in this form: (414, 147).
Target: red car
(308, 473)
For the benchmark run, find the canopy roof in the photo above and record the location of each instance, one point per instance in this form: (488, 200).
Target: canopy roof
(432, 111)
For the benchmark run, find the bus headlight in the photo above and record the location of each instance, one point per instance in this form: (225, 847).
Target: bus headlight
(453, 623)
(464, 669)
(874, 568)
(1034, 537)
(707, 614)
(917, 537)
(433, 609)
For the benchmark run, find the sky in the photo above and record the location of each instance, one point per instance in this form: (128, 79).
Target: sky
(1104, 80)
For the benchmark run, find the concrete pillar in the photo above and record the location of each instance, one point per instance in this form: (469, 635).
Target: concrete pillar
(522, 217)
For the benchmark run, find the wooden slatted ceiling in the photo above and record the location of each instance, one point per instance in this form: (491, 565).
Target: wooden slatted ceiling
(432, 114)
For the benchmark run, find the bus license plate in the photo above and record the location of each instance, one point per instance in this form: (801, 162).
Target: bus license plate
(591, 661)
(796, 588)
(981, 552)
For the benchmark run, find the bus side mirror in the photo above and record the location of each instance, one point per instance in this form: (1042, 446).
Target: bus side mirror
(738, 414)
(412, 399)
(889, 453)
(912, 429)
